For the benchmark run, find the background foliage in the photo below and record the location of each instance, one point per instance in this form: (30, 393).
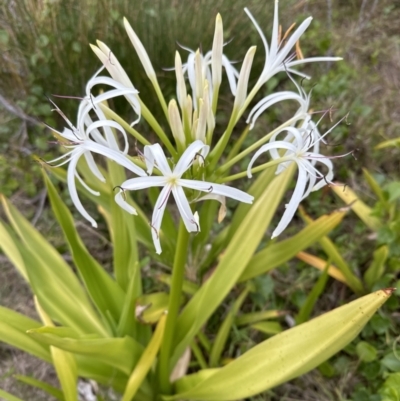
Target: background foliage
(44, 50)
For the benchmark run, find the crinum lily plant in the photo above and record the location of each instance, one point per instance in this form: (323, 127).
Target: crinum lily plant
(99, 326)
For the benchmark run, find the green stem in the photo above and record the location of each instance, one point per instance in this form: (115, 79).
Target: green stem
(178, 273)
(254, 170)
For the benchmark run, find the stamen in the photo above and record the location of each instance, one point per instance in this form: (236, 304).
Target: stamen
(122, 190)
(196, 224)
(166, 197)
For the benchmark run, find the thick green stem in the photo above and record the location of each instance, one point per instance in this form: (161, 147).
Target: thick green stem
(178, 273)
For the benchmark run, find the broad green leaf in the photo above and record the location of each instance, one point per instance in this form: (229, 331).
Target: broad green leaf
(269, 328)
(357, 205)
(51, 279)
(104, 291)
(366, 352)
(377, 266)
(237, 255)
(254, 317)
(312, 297)
(391, 361)
(13, 330)
(146, 361)
(121, 353)
(390, 391)
(53, 391)
(276, 254)
(8, 397)
(286, 355)
(224, 329)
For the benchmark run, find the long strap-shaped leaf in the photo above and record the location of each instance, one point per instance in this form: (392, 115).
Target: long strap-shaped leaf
(286, 355)
(104, 291)
(237, 255)
(276, 254)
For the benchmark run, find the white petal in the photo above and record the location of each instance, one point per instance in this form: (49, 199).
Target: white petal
(134, 184)
(267, 147)
(184, 209)
(118, 157)
(291, 207)
(72, 189)
(154, 155)
(186, 160)
(217, 189)
(158, 214)
(83, 183)
(119, 199)
(93, 166)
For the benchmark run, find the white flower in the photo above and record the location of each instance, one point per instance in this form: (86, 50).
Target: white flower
(297, 151)
(277, 56)
(87, 138)
(172, 182)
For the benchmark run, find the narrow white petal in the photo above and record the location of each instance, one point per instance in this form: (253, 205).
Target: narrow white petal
(93, 166)
(118, 157)
(120, 200)
(217, 189)
(232, 73)
(275, 28)
(140, 50)
(154, 155)
(184, 209)
(260, 32)
(312, 60)
(134, 184)
(86, 186)
(73, 192)
(186, 160)
(267, 147)
(158, 214)
(292, 206)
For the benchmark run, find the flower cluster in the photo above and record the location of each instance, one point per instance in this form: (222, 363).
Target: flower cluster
(195, 154)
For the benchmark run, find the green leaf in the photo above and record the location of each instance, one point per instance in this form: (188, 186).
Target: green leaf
(390, 391)
(67, 372)
(377, 266)
(104, 291)
(52, 280)
(254, 317)
(53, 391)
(308, 306)
(150, 307)
(8, 397)
(269, 328)
(374, 185)
(331, 250)
(276, 254)
(232, 264)
(146, 361)
(391, 361)
(121, 353)
(224, 329)
(13, 330)
(357, 205)
(366, 352)
(287, 355)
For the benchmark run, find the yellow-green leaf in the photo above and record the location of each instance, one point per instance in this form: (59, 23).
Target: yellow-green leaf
(276, 254)
(377, 267)
(357, 205)
(288, 354)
